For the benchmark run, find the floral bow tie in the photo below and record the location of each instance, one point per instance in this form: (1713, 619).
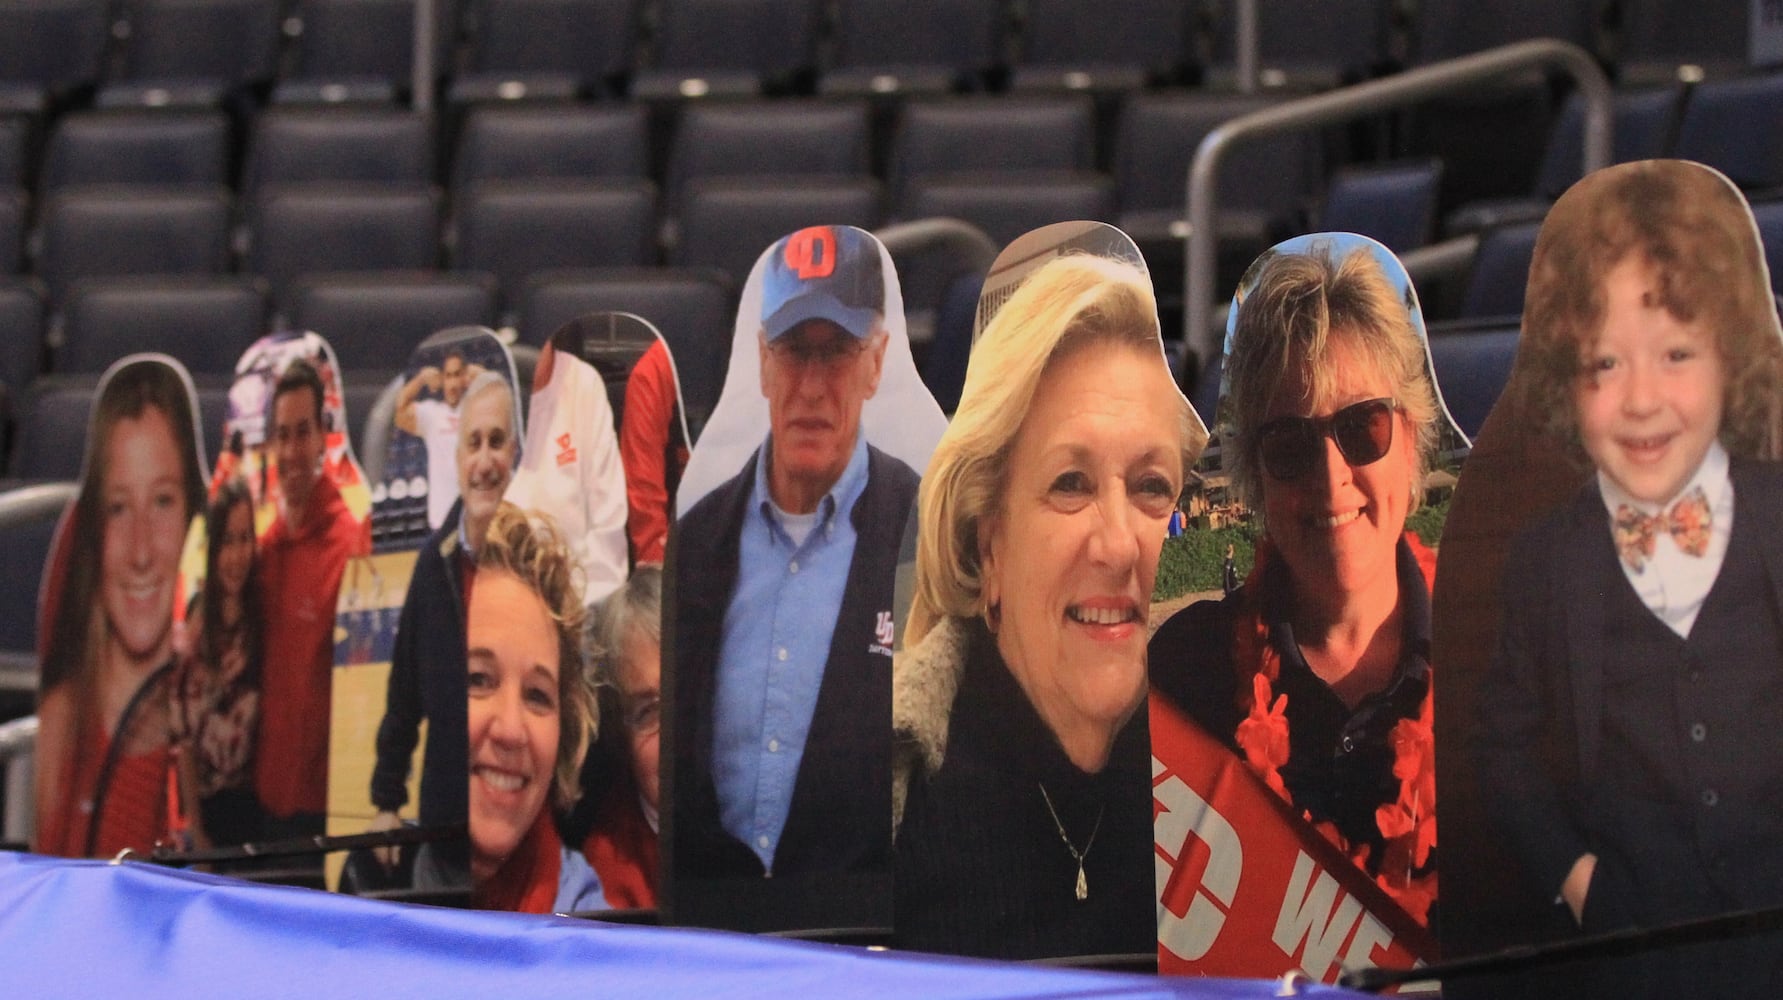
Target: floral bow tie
(1687, 522)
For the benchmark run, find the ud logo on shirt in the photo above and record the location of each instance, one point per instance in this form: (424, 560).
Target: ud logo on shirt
(566, 451)
(882, 635)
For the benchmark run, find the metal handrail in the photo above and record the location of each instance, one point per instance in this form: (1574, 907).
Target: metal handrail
(1347, 103)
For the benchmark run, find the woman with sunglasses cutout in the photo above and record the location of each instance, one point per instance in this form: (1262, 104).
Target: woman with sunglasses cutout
(1316, 669)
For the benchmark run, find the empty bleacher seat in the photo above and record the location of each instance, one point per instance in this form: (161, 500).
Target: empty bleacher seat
(1659, 37)
(338, 144)
(208, 45)
(1472, 366)
(51, 434)
(348, 42)
(1006, 206)
(1260, 179)
(112, 231)
(1736, 126)
(561, 47)
(693, 310)
(1444, 29)
(733, 47)
(728, 223)
(1500, 272)
(375, 320)
(28, 518)
(1304, 43)
(307, 228)
(775, 140)
(1769, 216)
(572, 142)
(14, 151)
(1394, 203)
(991, 133)
(204, 322)
(892, 46)
(513, 228)
(1077, 45)
(49, 47)
(137, 147)
(21, 333)
(13, 205)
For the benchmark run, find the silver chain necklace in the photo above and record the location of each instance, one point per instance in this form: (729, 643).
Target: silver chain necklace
(1083, 885)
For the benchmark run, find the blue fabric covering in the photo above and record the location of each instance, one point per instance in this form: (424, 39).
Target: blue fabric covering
(88, 928)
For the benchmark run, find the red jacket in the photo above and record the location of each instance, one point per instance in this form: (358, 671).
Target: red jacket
(300, 578)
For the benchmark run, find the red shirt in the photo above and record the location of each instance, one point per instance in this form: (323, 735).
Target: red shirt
(645, 436)
(300, 578)
(622, 848)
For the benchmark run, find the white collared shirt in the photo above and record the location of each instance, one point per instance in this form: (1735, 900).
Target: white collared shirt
(1673, 584)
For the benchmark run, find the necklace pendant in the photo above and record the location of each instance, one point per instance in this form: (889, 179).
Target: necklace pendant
(1083, 885)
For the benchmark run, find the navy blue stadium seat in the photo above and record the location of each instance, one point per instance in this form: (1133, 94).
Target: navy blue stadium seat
(304, 228)
(1394, 203)
(1472, 367)
(13, 206)
(772, 140)
(1260, 179)
(21, 333)
(1077, 45)
(1736, 126)
(692, 309)
(733, 47)
(204, 322)
(513, 228)
(219, 43)
(531, 142)
(727, 224)
(375, 320)
(52, 45)
(892, 46)
(1769, 216)
(348, 41)
(51, 434)
(1660, 36)
(1444, 29)
(338, 144)
(992, 133)
(1304, 43)
(587, 44)
(1006, 206)
(113, 231)
(1500, 272)
(28, 518)
(137, 147)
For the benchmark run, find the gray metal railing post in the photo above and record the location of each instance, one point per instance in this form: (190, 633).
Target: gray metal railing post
(1247, 46)
(421, 80)
(1352, 102)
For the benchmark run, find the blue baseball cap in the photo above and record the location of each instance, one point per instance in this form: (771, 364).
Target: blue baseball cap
(823, 272)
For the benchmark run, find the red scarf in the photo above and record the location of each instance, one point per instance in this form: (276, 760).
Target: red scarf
(1408, 823)
(527, 881)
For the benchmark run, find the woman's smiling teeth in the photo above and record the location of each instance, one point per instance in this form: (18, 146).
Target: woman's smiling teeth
(1339, 520)
(1102, 616)
(502, 781)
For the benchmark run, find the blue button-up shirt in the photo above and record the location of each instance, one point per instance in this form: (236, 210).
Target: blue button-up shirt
(776, 641)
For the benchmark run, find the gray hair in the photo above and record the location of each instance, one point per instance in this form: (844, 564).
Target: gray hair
(634, 609)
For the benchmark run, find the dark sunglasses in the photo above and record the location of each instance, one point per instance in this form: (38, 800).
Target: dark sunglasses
(1290, 447)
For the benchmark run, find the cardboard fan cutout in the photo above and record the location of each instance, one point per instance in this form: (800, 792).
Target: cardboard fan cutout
(111, 707)
(399, 732)
(1610, 689)
(1021, 784)
(562, 631)
(778, 629)
(1291, 706)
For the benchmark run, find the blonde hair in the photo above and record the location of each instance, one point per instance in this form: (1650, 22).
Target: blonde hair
(1695, 230)
(530, 546)
(1301, 305)
(1071, 301)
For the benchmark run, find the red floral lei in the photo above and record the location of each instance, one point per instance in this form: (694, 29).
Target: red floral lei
(1408, 823)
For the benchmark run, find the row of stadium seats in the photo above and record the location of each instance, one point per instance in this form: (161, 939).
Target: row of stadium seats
(136, 51)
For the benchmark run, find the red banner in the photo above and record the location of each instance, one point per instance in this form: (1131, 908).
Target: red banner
(1246, 887)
